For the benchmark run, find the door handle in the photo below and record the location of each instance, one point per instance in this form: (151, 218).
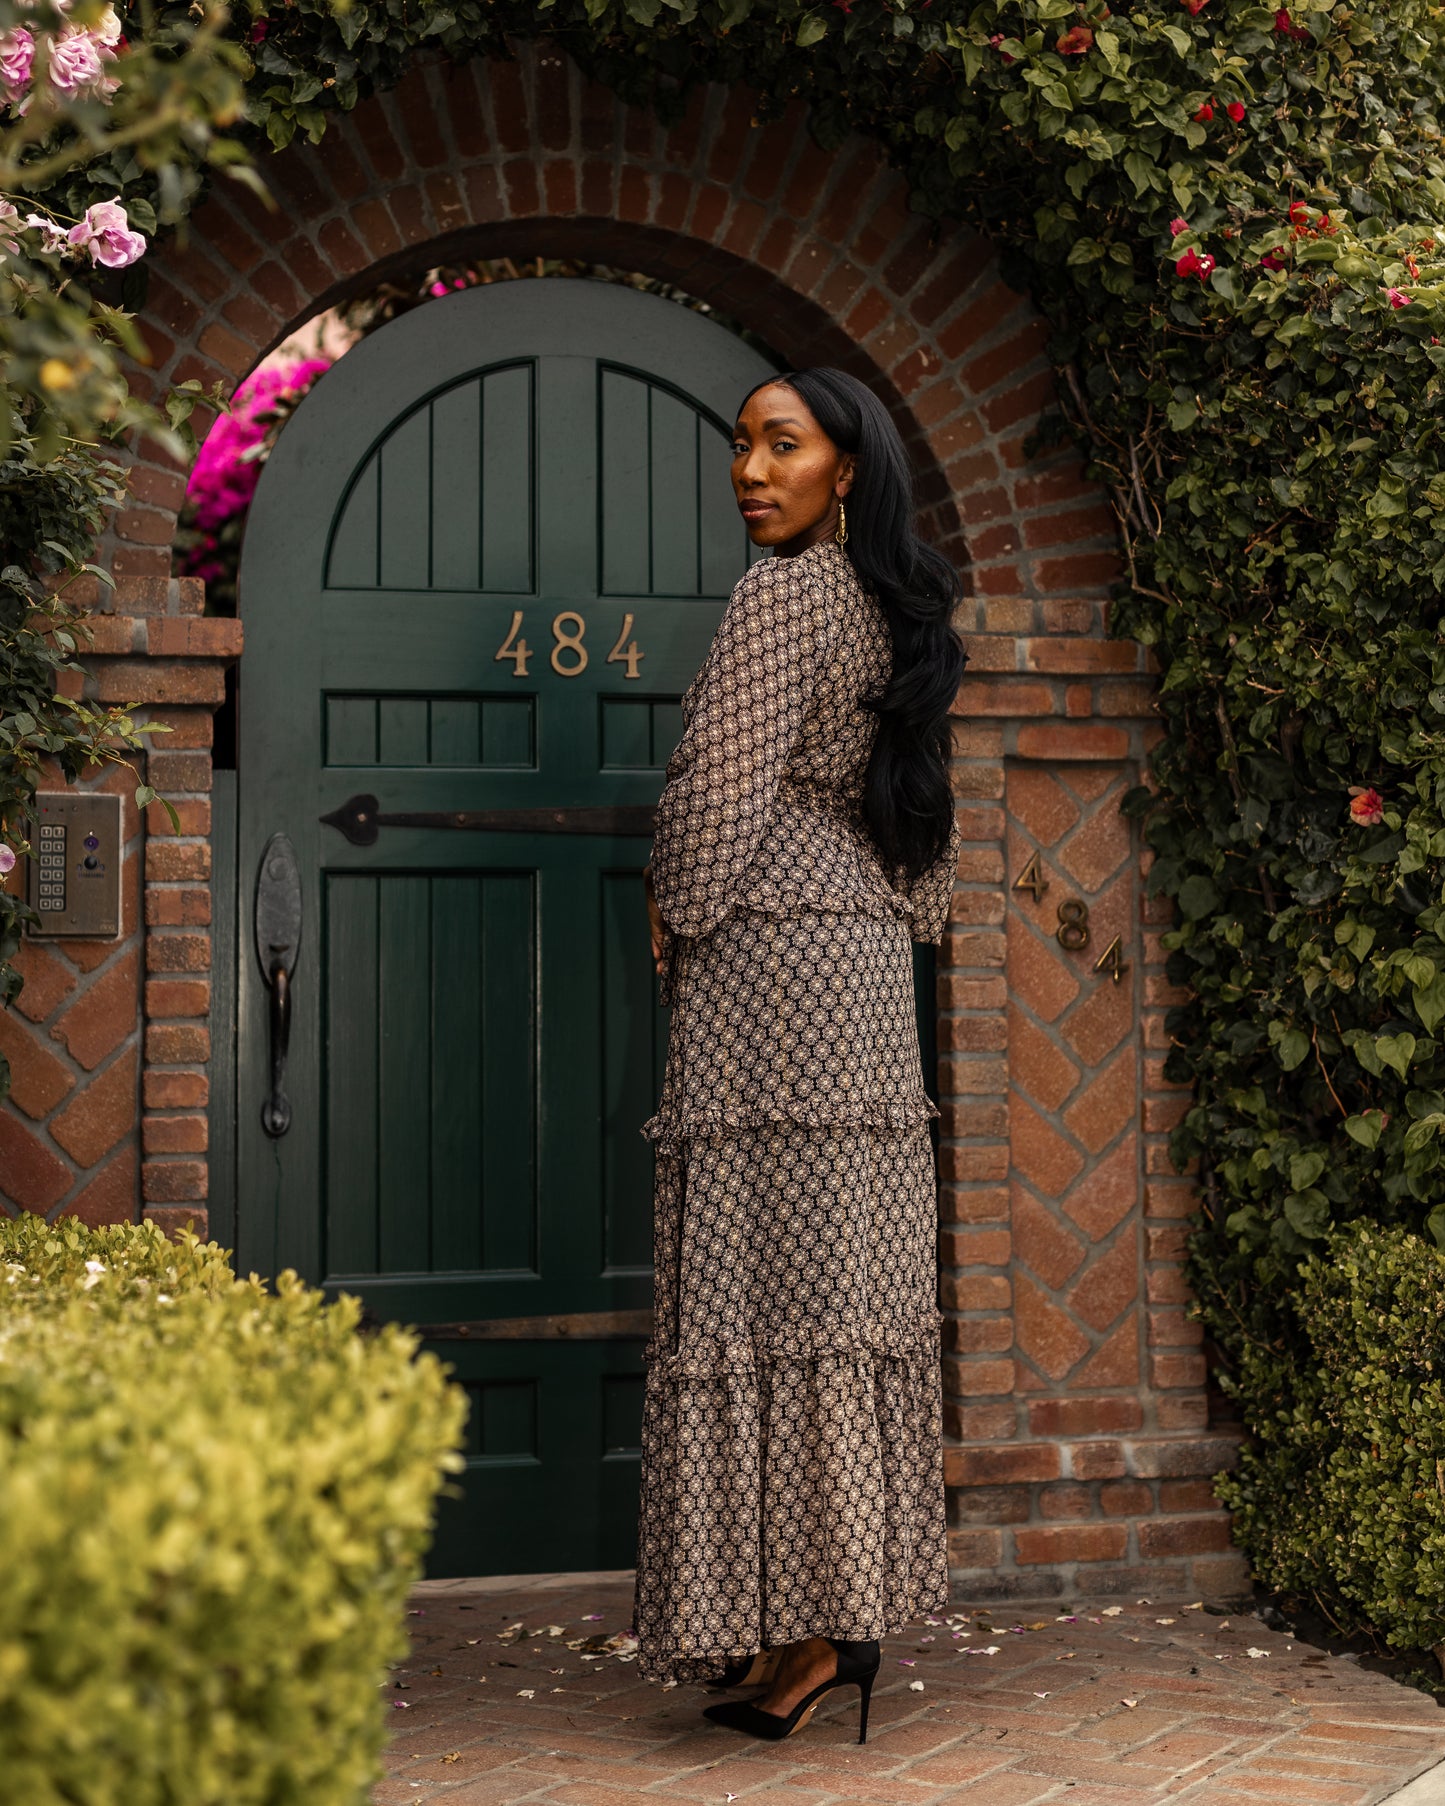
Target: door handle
(278, 942)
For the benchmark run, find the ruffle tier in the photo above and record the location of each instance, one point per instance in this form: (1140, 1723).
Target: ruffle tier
(801, 1497)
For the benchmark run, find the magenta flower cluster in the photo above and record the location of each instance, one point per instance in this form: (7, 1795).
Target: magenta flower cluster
(224, 478)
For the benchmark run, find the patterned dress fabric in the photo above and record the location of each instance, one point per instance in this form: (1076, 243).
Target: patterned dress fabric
(792, 1479)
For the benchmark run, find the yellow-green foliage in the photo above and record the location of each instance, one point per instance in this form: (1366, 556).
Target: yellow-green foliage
(1341, 1492)
(215, 1500)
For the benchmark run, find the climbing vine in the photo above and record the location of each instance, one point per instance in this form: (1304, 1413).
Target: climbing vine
(1231, 216)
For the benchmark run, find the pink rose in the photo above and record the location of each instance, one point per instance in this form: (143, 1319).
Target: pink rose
(1366, 807)
(75, 61)
(105, 233)
(1397, 297)
(7, 860)
(17, 58)
(52, 236)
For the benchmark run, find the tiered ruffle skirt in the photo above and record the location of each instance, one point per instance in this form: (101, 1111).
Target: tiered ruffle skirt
(792, 1479)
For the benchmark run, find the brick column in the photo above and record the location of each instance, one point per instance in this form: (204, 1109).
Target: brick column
(100, 1021)
(1075, 1408)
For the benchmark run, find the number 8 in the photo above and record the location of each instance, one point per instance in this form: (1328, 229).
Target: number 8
(572, 640)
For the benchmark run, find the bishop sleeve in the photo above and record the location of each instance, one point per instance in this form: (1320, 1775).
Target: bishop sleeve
(741, 720)
(931, 892)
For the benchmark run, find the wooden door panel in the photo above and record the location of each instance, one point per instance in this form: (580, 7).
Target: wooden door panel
(446, 500)
(431, 1074)
(552, 1458)
(478, 1039)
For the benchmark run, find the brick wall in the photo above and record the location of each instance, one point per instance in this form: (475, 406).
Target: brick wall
(1076, 1408)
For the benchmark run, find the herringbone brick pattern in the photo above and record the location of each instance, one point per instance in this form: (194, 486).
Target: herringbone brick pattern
(1154, 1705)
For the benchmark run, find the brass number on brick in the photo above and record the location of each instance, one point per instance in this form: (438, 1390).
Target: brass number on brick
(1112, 960)
(568, 642)
(1073, 929)
(518, 653)
(626, 655)
(1031, 878)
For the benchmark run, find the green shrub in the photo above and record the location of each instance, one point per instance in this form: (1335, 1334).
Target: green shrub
(1341, 1495)
(216, 1499)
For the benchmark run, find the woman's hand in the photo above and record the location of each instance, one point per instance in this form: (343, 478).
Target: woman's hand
(654, 920)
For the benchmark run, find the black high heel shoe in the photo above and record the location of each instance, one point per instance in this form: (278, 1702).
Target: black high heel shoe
(750, 1671)
(858, 1665)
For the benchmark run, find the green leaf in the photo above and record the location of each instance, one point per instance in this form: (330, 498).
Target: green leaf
(1366, 1128)
(1293, 1048)
(810, 30)
(1396, 1051)
(1308, 1213)
(1198, 898)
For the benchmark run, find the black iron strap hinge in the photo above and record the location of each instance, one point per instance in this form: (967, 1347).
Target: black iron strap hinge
(361, 817)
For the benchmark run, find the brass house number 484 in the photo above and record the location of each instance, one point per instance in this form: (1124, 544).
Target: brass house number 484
(569, 655)
(1072, 932)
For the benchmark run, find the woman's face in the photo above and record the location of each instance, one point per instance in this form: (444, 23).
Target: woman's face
(788, 475)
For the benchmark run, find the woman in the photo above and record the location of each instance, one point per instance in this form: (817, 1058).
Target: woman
(792, 1490)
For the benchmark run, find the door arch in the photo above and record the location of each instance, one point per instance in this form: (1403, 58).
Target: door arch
(482, 564)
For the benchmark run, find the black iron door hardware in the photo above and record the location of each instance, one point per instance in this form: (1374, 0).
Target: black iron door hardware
(278, 941)
(360, 818)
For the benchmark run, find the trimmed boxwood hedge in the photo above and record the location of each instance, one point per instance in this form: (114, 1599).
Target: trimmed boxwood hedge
(1340, 1497)
(216, 1499)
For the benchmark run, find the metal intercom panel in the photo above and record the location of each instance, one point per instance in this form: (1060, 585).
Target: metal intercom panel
(75, 842)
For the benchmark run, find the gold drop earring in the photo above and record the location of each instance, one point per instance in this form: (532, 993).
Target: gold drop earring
(841, 536)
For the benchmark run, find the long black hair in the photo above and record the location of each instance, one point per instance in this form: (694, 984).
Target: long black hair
(907, 800)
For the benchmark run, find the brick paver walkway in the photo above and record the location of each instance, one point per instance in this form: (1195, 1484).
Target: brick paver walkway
(1153, 1703)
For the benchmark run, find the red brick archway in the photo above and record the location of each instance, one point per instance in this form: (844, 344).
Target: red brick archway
(1076, 1406)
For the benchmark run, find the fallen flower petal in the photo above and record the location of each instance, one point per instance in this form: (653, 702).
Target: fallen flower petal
(1112, 1611)
(1256, 1653)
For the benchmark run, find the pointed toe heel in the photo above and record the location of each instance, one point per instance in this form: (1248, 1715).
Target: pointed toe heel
(858, 1665)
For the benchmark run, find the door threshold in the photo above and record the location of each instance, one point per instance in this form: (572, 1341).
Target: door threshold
(517, 1583)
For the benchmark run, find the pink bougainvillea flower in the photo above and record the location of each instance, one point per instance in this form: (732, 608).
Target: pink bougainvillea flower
(1194, 7)
(106, 234)
(1205, 113)
(1178, 225)
(1235, 110)
(1192, 263)
(1075, 41)
(1366, 806)
(17, 59)
(1298, 213)
(224, 479)
(259, 28)
(7, 859)
(997, 41)
(1271, 261)
(1397, 297)
(9, 220)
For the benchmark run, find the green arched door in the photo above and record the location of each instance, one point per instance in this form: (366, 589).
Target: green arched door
(482, 565)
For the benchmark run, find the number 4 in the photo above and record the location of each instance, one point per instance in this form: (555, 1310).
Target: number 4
(520, 653)
(1031, 878)
(1112, 960)
(629, 656)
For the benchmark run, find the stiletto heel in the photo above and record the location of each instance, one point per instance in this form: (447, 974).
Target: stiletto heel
(858, 1665)
(865, 1687)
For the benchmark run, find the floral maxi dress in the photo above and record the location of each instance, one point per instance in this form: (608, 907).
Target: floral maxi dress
(792, 1478)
